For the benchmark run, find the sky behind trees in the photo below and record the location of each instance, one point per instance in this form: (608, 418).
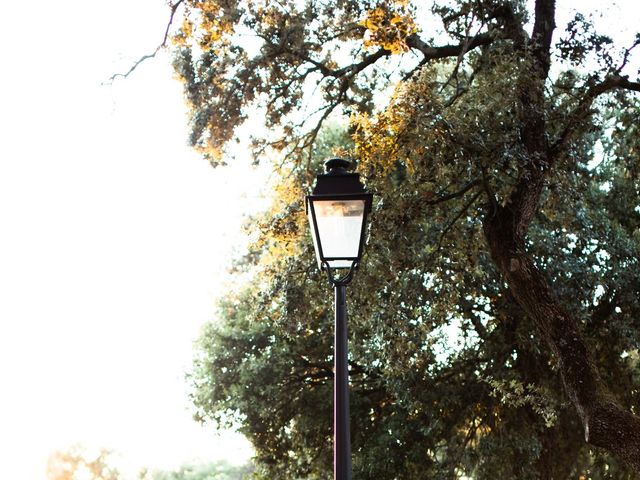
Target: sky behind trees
(115, 236)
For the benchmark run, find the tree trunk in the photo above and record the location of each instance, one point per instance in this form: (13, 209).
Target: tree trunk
(605, 423)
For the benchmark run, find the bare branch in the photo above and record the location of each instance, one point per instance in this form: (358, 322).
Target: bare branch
(350, 70)
(174, 8)
(627, 53)
(354, 69)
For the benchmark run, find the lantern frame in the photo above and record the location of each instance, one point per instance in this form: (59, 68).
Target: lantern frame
(338, 185)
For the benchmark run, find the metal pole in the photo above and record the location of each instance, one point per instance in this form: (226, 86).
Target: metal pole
(342, 436)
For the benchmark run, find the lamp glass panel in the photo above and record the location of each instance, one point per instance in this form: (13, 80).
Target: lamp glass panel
(340, 229)
(315, 240)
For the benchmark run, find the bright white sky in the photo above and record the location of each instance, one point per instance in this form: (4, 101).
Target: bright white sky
(114, 237)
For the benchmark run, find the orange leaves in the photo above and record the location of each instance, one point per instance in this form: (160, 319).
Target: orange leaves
(389, 26)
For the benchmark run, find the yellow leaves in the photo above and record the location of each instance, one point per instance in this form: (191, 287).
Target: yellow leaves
(389, 26)
(374, 18)
(270, 17)
(277, 232)
(215, 153)
(340, 152)
(374, 147)
(209, 7)
(205, 24)
(185, 32)
(187, 27)
(398, 133)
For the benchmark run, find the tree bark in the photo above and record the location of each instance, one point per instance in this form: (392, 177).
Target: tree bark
(605, 423)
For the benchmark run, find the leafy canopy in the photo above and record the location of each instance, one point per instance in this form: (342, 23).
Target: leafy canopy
(494, 322)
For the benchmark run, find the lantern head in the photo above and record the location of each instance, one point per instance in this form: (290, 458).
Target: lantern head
(338, 209)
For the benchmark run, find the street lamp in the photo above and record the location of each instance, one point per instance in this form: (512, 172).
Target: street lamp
(338, 208)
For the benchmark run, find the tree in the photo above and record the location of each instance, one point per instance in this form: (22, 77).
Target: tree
(78, 463)
(207, 471)
(506, 170)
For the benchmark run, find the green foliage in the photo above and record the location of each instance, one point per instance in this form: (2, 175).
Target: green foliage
(207, 471)
(446, 374)
(449, 375)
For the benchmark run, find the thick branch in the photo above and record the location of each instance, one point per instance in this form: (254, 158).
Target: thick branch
(583, 108)
(523, 202)
(623, 82)
(605, 423)
(433, 53)
(512, 25)
(543, 27)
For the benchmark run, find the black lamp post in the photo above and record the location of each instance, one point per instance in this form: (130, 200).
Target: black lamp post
(338, 209)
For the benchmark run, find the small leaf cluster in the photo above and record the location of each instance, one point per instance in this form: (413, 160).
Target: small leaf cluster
(388, 26)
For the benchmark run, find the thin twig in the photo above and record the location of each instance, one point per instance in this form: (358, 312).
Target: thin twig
(163, 44)
(457, 217)
(453, 195)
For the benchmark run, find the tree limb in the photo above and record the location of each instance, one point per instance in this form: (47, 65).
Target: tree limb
(582, 110)
(450, 225)
(626, 54)
(453, 195)
(522, 204)
(174, 8)
(605, 423)
(433, 53)
(543, 27)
